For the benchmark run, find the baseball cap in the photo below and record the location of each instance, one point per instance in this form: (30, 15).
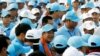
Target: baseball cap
(89, 25)
(94, 10)
(31, 3)
(85, 37)
(70, 15)
(34, 35)
(85, 16)
(20, 1)
(62, 1)
(83, 6)
(54, 7)
(94, 41)
(76, 41)
(60, 41)
(12, 6)
(5, 13)
(47, 27)
(62, 8)
(48, 5)
(89, 5)
(35, 10)
(27, 14)
(26, 21)
(46, 1)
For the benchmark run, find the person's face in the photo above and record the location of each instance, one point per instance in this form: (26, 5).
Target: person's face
(89, 31)
(4, 51)
(84, 49)
(61, 13)
(52, 1)
(37, 16)
(83, 10)
(0, 6)
(67, 5)
(49, 36)
(50, 21)
(6, 21)
(4, 5)
(33, 21)
(56, 15)
(13, 13)
(95, 16)
(22, 37)
(75, 4)
(70, 24)
(20, 5)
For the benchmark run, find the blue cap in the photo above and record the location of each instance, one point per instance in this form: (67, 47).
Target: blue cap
(11, 1)
(46, 1)
(86, 37)
(60, 41)
(31, 3)
(90, 5)
(54, 7)
(94, 41)
(70, 15)
(47, 28)
(12, 6)
(76, 41)
(48, 5)
(4, 13)
(62, 8)
(20, 1)
(26, 21)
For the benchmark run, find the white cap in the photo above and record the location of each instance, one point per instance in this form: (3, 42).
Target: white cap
(89, 25)
(94, 10)
(33, 34)
(35, 10)
(85, 15)
(27, 14)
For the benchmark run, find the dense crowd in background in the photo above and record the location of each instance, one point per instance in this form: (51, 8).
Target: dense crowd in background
(49, 27)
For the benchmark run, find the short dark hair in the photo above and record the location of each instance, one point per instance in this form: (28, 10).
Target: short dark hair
(3, 42)
(46, 18)
(22, 28)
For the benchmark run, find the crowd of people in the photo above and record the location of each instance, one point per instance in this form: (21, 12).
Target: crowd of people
(49, 27)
